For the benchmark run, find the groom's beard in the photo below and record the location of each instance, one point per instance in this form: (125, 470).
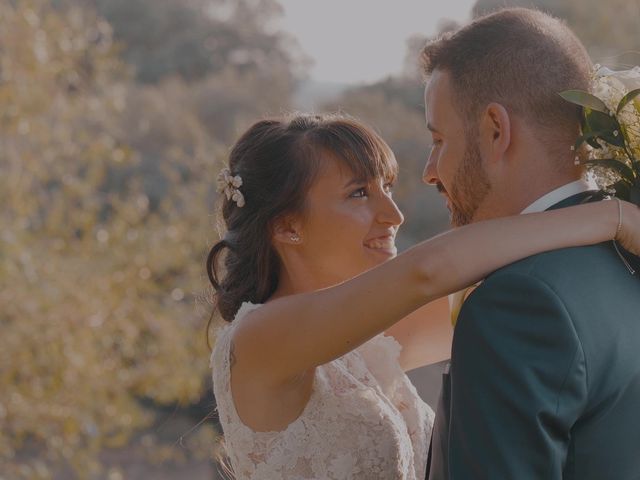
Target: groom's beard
(470, 186)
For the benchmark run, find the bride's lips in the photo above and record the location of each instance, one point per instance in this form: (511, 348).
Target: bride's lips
(384, 244)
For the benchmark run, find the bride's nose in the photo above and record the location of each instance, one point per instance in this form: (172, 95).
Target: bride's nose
(389, 213)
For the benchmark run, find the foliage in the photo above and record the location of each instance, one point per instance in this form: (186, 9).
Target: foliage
(611, 127)
(197, 38)
(107, 188)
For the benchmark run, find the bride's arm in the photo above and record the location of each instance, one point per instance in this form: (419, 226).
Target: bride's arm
(425, 335)
(291, 335)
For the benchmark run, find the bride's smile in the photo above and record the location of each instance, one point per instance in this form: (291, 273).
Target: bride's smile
(385, 245)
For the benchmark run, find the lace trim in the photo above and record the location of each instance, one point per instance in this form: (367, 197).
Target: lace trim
(227, 332)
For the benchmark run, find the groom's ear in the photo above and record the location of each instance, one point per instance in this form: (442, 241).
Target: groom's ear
(495, 132)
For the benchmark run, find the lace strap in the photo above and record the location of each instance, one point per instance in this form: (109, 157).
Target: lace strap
(220, 361)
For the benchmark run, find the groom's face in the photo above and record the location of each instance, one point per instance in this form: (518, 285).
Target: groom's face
(454, 165)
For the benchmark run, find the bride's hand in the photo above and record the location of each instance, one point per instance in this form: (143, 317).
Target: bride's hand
(629, 236)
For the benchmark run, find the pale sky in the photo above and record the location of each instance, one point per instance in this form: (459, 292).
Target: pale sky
(354, 41)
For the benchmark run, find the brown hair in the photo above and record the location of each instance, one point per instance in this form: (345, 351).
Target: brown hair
(278, 160)
(520, 58)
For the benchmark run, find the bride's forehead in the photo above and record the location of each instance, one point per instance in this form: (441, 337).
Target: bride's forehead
(337, 168)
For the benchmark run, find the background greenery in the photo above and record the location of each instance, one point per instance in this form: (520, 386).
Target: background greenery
(115, 117)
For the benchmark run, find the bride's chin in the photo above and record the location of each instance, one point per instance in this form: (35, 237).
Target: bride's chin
(382, 254)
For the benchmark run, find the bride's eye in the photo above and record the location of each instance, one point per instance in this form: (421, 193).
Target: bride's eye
(359, 193)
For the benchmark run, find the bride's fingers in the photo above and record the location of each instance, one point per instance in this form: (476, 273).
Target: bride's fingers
(629, 237)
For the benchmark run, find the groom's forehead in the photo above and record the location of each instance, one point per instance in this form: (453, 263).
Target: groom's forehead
(436, 93)
(441, 111)
(438, 80)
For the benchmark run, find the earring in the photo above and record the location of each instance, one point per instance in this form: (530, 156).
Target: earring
(295, 237)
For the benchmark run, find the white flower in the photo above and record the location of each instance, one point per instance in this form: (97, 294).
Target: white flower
(236, 181)
(629, 79)
(229, 185)
(611, 86)
(237, 197)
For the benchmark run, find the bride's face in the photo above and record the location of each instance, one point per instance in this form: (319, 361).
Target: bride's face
(350, 223)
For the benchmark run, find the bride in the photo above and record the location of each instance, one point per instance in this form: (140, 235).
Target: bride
(309, 370)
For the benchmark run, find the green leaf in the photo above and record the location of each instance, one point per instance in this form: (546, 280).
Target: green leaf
(594, 143)
(624, 170)
(634, 195)
(590, 137)
(622, 189)
(606, 126)
(627, 98)
(584, 99)
(586, 135)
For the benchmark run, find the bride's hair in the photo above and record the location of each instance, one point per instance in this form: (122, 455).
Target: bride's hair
(278, 160)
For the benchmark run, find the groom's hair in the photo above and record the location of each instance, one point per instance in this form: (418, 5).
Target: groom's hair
(520, 58)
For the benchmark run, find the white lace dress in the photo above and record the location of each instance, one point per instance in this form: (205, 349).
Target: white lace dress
(364, 420)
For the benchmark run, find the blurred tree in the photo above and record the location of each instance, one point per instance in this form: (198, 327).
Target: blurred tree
(228, 102)
(415, 44)
(237, 66)
(608, 29)
(100, 262)
(195, 38)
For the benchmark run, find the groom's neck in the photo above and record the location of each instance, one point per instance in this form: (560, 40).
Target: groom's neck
(512, 197)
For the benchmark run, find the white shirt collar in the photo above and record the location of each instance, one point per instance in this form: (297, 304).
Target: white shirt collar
(560, 194)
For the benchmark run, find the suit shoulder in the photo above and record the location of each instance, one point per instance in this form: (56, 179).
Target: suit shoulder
(560, 271)
(565, 262)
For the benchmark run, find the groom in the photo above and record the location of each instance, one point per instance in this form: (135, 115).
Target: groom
(544, 381)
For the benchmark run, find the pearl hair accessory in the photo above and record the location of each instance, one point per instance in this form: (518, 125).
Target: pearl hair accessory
(295, 237)
(230, 184)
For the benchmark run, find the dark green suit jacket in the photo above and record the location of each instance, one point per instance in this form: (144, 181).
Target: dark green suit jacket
(545, 373)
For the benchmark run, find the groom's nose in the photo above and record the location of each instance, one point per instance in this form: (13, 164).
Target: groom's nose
(430, 173)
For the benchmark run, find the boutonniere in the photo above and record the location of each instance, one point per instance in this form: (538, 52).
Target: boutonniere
(610, 139)
(457, 299)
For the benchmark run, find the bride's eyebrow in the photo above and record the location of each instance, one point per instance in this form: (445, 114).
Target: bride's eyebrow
(354, 182)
